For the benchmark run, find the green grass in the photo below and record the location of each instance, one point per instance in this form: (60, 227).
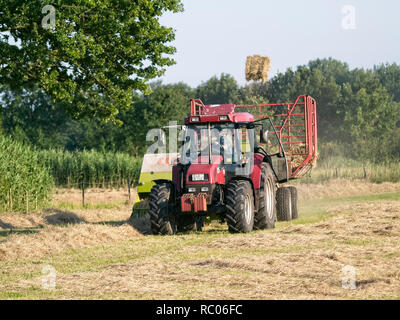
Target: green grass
(99, 205)
(339, 167)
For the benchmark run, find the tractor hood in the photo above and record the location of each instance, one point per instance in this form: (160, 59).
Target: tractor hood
(202, 167)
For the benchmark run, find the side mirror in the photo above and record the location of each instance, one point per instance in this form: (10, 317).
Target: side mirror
(264, 136)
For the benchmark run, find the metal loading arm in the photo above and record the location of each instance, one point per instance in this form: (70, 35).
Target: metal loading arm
(296, 127)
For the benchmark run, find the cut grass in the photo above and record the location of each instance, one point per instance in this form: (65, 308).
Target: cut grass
(300, 259)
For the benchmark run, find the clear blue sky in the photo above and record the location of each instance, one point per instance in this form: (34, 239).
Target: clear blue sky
(215, 36)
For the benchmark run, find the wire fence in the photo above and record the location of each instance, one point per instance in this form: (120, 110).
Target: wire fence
(28, 201)
(120, 182)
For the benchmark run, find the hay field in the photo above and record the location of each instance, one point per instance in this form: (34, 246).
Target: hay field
(98, 253)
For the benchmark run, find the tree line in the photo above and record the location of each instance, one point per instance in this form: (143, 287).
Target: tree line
(358, 111)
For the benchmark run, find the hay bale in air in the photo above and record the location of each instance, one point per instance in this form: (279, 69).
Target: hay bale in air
(257, 67)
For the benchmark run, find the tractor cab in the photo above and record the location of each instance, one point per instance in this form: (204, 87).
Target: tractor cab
(215, 130)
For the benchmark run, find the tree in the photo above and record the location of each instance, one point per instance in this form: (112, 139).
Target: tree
(320, 80)
(30, 117)
(93, 57)
(166, 103)
(389, 76)
(218, 90)
(369, 121)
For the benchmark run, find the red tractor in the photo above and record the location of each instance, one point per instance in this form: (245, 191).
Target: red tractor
(233, 162)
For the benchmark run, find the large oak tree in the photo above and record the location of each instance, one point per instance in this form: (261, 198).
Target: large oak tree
(97, 54)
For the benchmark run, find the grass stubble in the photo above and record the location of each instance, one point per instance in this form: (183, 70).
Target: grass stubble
(98, 253)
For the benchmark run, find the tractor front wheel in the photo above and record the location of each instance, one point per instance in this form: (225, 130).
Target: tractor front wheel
(162, 222)
(239, 206)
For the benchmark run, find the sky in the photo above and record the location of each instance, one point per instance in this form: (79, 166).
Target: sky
(216, 36)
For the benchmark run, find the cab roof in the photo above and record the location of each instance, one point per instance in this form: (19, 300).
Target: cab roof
(201, 113)
(221, 118)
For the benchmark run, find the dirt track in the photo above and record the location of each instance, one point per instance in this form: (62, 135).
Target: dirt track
(302, 259)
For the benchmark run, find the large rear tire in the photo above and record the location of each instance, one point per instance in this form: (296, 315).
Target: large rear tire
(162, 222)
(295, 209)
(240, 206)
(284, 204)
(265, 216)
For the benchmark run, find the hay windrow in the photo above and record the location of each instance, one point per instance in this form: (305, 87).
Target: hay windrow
(338, 188)
(56, 239)
(293, 262)
(257, 67)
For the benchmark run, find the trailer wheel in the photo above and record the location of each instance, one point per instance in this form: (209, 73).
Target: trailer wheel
(240, 206)
(265, 216)
(284, 204)
(295, 210)
(161, 221)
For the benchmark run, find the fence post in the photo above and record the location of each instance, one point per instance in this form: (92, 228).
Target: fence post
(27, 202)
(365, 172)
(83, 192)
(11, 204)
(129, 189)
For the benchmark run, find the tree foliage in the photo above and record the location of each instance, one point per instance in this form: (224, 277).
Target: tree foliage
(218, 90)
(97, 54)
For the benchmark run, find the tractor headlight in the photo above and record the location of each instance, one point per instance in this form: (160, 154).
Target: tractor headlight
(223, 118)
(191, 190)
(204, 189)
(195, 119)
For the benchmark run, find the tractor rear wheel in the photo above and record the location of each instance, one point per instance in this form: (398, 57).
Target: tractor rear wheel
(284, 204)
(240, 206)
(295, 210)
(265, 216)
(162, 222)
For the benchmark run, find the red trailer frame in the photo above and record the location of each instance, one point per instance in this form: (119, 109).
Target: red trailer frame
(296, 126)
(295, 123)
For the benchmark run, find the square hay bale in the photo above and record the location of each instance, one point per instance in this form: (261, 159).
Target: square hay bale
(257, 67)
(298, 154)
